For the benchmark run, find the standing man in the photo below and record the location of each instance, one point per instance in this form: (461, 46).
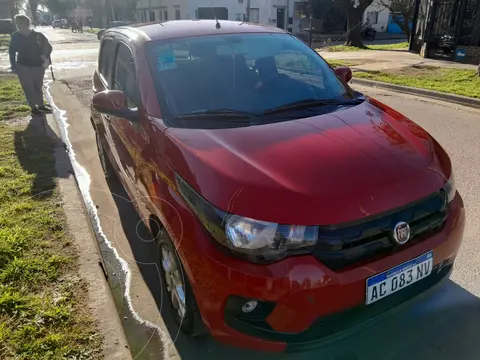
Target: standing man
(29, 58)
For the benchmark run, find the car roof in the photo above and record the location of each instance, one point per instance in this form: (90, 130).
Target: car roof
(187, 28)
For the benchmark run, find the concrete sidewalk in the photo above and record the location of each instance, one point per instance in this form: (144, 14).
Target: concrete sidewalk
(378, 60)
(340, 37)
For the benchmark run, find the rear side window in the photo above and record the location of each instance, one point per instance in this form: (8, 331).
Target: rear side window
(125, 79)
(106, 59)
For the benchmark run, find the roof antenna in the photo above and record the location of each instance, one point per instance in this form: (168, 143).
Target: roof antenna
(217, 25)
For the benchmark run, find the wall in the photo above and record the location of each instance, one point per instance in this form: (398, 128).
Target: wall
(5, 9)
(383, 16)
(159, 7)
(237, 9)
(472, 54)
(393, 26)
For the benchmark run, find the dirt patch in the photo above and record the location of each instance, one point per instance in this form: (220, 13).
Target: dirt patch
(416, 70)
(82, 89)
(23, 121)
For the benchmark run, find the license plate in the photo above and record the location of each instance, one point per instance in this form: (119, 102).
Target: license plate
(399, 277)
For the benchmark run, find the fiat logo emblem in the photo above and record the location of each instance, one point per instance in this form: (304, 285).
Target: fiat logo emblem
(401, 232)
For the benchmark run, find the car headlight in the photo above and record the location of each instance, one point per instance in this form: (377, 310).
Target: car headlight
(450, 188)
(254, 240)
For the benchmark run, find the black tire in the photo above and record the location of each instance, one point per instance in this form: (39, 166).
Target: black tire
(192, 323)
(107, 166)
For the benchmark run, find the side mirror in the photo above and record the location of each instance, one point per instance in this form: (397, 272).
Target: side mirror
(344, 73)
(114, 103)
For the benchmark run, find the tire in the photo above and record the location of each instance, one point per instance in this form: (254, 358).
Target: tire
(191, 323)
(107, 166)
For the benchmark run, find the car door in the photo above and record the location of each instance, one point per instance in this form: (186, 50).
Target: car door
(102, 80)
(124, 134)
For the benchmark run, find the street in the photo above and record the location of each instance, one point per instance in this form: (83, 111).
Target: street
(443, 326)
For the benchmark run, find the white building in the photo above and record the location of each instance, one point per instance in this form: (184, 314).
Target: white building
(281, 13)
(378, 15)
(285, 14)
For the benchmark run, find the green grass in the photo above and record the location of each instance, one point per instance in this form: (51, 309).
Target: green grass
(12, 101)
(398, 46)
(337, 63)
(455, 81)
(343, 48)
(92, 31)
(4, 43)
(43, 312)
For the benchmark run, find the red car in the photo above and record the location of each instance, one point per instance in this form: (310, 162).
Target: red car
(289, 209)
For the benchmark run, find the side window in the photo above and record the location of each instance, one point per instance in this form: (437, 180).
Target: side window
(105, 61)
(125, 79)
(300, 67)
(291, 61)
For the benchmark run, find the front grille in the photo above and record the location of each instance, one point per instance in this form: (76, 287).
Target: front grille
(342, 246)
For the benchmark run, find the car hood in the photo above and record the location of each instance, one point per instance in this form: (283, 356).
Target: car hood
(325, 169)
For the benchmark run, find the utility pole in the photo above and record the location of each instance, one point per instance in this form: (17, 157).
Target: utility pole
(248, 10)
(149, 10)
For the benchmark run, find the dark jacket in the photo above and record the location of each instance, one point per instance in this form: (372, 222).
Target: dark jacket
(28, 50)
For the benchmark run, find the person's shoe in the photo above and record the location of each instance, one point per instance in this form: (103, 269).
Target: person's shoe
(45, 109)
(35, 111)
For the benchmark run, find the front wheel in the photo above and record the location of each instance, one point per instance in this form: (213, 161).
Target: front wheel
(177, 287)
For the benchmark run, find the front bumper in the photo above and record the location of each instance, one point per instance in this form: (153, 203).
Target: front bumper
(312, 304)
(338, 326)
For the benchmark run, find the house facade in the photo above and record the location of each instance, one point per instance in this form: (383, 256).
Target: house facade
(285, 14)
(378, 16)
(5, 9)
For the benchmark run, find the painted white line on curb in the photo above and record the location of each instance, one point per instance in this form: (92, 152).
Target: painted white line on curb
(84, 180)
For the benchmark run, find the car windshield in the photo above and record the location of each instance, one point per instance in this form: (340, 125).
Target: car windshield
(239, 73)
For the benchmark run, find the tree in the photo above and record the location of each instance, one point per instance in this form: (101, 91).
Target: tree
(354, 10)
(406, 9)
(124, 9)
(60, 7)
(33, 6)
(13, 7)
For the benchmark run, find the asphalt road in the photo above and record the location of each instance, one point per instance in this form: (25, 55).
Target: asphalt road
(444, 326)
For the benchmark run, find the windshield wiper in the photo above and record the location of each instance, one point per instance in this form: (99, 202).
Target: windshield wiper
(217, 114)
(309, 103)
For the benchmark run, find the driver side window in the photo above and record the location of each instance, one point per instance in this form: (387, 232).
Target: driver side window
(124, 78)
(289, 60)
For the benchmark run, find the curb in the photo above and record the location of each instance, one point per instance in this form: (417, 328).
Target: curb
(457, 99)
(101, 303)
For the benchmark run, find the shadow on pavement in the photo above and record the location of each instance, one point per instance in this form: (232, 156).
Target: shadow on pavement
(442, 326)
(35, 149)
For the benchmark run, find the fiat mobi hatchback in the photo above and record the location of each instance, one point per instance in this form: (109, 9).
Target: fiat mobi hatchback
(289, 209)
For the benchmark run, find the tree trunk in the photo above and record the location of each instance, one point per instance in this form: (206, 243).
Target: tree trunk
(406, 26)
(33, 4)
(475, 39)
(354, 26)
